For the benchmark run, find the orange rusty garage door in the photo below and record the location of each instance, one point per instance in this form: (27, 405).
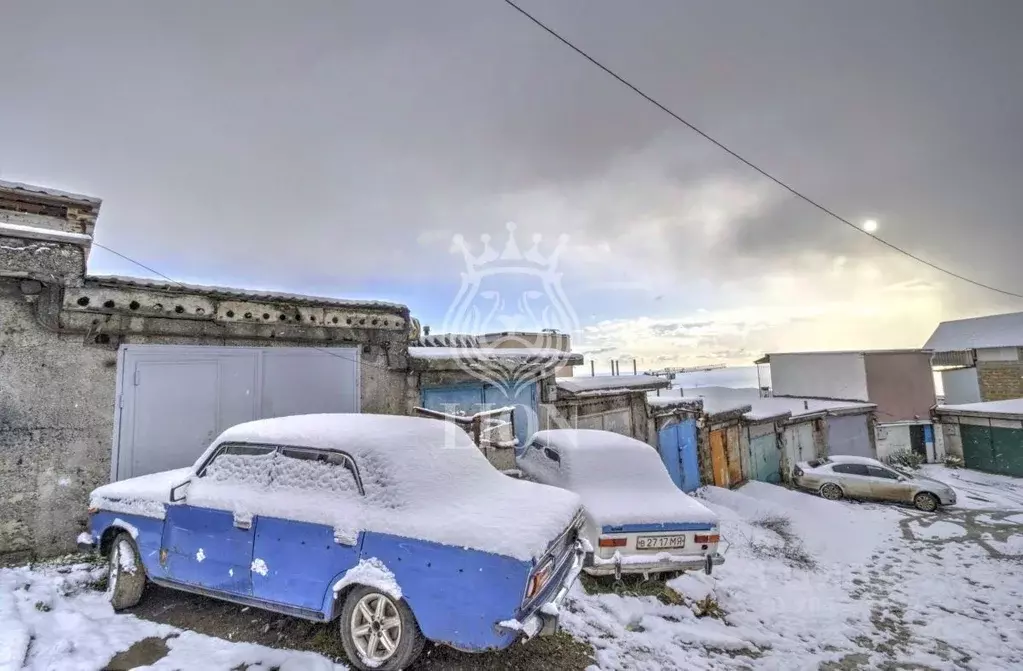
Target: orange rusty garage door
(718, 462)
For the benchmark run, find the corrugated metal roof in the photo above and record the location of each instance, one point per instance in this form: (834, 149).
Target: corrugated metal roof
(1005, 330)
(16, 188)
(239, 294)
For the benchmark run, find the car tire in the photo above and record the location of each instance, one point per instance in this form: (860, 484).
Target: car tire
(831, 491)
(926, 502)
(384, 615)
(126, 577)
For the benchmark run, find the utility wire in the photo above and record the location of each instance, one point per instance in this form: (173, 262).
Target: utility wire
(747, 162)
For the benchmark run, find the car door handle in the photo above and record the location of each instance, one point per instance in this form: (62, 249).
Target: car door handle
(243, 520)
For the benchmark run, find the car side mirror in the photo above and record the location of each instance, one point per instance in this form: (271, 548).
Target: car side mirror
(178, 492)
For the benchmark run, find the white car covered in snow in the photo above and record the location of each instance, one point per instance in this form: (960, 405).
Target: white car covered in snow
(637, 520)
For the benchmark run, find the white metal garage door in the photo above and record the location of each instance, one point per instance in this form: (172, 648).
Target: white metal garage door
(849, 434)
(174, 400)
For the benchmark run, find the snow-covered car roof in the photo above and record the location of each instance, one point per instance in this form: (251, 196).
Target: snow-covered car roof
(620, 479)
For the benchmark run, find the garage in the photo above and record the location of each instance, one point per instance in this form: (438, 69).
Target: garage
(849, 434)
(172, 401)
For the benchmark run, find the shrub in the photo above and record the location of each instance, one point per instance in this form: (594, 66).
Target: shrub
(953, 461)
(906, 459)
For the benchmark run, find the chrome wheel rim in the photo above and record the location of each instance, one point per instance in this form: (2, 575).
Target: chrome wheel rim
(831, 492)
(376, 627)
(926, 503)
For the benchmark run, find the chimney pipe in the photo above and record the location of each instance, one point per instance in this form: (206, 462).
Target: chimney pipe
(593, 368)
(634, 367)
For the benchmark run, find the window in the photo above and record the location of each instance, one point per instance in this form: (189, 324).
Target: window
(240, 464)
(315, 470)
(850, 469)
(814, 463)
(878, 472)
(552, 455)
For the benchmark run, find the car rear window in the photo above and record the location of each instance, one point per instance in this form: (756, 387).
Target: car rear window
(815, 463)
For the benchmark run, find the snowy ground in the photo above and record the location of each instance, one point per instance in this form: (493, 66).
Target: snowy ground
(808, 584)
(814, 584)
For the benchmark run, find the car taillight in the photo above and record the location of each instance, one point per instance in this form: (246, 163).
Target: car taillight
(539, 579)
(612, 542)
(707, 538)
(797, 471)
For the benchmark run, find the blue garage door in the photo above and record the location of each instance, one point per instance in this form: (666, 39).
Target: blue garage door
(469, 399)
(677, 445)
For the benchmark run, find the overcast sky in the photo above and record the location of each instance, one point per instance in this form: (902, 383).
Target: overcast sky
(336, 147)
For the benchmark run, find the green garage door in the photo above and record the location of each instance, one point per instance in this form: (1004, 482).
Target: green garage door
(1008, 451)
(994, 450)
(977, 453)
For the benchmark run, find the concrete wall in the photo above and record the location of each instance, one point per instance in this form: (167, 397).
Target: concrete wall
(57, 415)
(962, 385)
(840, 375)
(901, 384)
(1000, 380)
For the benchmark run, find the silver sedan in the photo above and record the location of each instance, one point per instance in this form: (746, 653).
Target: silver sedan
(851, 477)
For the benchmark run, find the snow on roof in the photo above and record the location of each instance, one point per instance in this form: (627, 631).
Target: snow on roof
(576, 385)
(53, 194)
(423, 478)
(1005, 330)
(238, 294)
(525, 355)
(620, 479)
(718, 400)
(1013, 406)
(39, 233)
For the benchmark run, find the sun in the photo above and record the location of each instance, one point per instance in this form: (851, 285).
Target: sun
(870, 225)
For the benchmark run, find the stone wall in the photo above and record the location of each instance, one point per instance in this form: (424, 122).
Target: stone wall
(1000, 380)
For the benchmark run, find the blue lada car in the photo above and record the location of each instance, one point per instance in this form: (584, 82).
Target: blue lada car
(395, 527)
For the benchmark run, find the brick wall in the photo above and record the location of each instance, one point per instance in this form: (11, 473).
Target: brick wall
(1000, 380)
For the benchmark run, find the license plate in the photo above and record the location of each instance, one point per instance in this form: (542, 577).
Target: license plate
(660, 542)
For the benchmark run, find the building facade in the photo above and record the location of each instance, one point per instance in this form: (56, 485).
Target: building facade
(979, 359)
(900, 383)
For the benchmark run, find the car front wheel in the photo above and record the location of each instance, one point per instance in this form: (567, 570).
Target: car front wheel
(126, 577)
(831, 491)
(926, 502)
(378, 631)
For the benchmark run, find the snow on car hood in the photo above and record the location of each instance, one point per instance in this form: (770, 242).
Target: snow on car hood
(144, 495)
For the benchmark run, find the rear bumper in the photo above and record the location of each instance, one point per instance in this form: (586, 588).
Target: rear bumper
(616, 566)
(544, 620)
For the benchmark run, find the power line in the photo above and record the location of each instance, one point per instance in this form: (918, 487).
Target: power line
(747, 162)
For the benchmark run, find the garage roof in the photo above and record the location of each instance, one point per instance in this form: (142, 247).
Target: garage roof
(611, 383)
(239, 294)
(1005, 330)
(1013, 407)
